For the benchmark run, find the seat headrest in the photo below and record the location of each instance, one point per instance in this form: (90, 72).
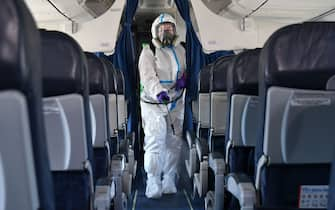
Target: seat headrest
(204, 78)
(110, 71)
(243, 73)
(97, 74)
(19, 47)
(218, 79)
(64, 65)
(299, 56)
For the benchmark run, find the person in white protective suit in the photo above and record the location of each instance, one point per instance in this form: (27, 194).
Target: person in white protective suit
(163, 77)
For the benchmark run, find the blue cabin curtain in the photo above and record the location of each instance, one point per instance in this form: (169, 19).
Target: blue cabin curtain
(195, 59)
(124, 59)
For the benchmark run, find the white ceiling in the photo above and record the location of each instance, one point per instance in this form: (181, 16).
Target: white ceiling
(302, 9)
(221, 18)
(44, 12)
(227, 30)
(75, 10)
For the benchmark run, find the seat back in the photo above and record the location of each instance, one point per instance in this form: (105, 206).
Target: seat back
(66, 88)
(65, 63)
(21, 122)
(65, 130)
(200, 106)
(112, 105)
(99, 89)
(297, 114)
(98, 82)
(19, 181)
(218, 102)
(122, 104)
(242, 86)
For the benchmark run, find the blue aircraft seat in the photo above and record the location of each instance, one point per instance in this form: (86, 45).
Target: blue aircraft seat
(241, 132)
(218, 104)
(67, 108)
(294, 147)
(99, 88)
(25, 178)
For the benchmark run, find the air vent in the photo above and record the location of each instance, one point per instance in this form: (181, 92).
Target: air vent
(96, 7)
(216, 6)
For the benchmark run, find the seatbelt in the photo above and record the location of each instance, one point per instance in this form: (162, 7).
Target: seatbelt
(170, 119)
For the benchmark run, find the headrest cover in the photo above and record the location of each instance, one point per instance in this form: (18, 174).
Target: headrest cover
(19, 47)
(64, 65)
(218, 80)
(299, 56)
(243, 73)
(97, 74)
(204, 78)
(110, 70)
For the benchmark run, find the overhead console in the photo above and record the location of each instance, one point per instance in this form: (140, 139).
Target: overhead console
(96, 7)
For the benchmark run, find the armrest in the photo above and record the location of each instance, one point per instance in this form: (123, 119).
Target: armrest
(123, 147)
(242, 188)
(118, 168)
(130, 137)
(202, 148)
(192, 162)
(118, 164)
(88, 168)
(190, 137)
(109, 155)
(217, 163)
(104, 193)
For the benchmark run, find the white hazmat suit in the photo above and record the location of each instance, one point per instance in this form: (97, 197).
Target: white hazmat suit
(159, 72)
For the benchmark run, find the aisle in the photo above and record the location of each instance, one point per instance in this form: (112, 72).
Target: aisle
(180, 201)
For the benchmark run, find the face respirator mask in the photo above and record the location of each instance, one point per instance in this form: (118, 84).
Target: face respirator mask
(167, 34)
(167, 38)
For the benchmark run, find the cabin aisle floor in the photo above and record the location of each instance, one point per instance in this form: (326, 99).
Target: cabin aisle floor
(181, 201)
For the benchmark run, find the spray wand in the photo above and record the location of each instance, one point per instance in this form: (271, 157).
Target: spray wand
(170, 119)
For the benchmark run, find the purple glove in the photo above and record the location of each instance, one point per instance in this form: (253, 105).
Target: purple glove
(163, 97)
(181, 83)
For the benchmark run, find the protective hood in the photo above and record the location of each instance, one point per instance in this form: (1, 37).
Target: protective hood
(162, 18)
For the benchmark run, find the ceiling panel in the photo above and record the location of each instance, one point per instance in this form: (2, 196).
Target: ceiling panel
(303, 9)
(43, 11)
(281, 9)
